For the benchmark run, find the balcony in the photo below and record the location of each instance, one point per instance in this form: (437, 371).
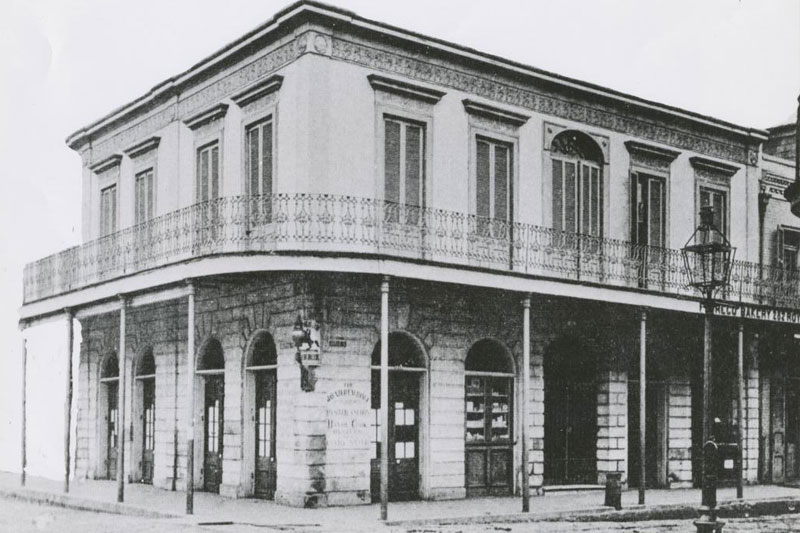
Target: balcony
(331, 224)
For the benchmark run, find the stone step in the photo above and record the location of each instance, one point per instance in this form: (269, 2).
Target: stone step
(571, 488)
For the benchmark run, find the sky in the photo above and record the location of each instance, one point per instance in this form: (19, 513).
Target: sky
(66, 63)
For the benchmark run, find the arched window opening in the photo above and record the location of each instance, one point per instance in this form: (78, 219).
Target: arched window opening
(146, 365)
(110, 368)
(404, 352)
(262, 351)
(577, 190)
(489, 356)
(211, 356)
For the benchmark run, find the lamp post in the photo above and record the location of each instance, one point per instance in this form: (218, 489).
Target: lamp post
(708, 256)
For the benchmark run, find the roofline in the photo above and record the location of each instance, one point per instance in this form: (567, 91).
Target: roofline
(312, 6)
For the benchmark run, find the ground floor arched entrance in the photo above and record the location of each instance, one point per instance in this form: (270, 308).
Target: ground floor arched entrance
(407, 369)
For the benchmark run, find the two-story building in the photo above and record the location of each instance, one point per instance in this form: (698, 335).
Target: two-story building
(324, 162)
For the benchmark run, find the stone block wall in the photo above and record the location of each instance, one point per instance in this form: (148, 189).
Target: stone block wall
(612, 424)
(679, 469)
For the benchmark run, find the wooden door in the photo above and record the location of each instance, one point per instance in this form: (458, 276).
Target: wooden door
(112, 391)
(148, 428)
(570, 433)
(404, 436)
(213, 426)
(404, 422)
(265, 470)
(489, 445)
(792, 429)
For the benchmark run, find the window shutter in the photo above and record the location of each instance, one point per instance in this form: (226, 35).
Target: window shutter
(215, 172)
(266, 159)
(392, 161)
(413, 164)
(151, 205)
(570, 194)
(597, 202)
(483, 175)
(252, 161)
(202, 175)
(501, 175)
(635, 207)
(779, 237)
(656, 213)
(558, 195)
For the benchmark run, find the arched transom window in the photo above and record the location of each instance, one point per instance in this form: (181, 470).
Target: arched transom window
(577, 192)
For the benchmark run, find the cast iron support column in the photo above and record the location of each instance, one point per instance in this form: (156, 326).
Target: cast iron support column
(24, 410)
(190, 398)
(68, 401)
(642, 402)
(707, 523)
(385, 398)
(740, 414)
(526, 384)
(123, 385)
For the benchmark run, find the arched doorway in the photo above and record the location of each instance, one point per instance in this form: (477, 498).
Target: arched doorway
(407, 367)
(145, 434)
(261, 363)
(489, 377)
(570, 413)
(109, 400)
(211, 367)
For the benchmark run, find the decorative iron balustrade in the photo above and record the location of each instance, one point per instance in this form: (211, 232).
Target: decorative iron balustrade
(349, 225)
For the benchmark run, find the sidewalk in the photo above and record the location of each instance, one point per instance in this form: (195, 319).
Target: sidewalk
(144, 500)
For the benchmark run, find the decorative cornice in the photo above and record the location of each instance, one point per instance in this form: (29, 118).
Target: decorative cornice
(107, 163)
(404, 88)
(494, 113)
(204, 117)
(648, 150)
(143, 147)
(259, 90)
(774, 184)
(517, 93)
(714, 167)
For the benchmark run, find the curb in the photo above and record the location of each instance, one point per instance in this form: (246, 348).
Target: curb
(726, 509)
(81, 504)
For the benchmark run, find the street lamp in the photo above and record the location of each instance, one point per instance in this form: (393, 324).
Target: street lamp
(708, 257)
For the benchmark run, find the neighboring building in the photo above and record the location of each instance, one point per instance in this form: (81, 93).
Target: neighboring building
(292, 171)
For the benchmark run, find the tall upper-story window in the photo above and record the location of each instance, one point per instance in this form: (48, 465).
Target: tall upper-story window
(493, 180)
(577, 187)
(404, 161)
(788, 248)
(713, 187)
(404, 118)
(108, 210)
(207, 169)
(144, 196)
(258, 159)
(649, 176)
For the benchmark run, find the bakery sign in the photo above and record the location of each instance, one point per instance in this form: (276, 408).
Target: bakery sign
(348, 410)
(754, 312)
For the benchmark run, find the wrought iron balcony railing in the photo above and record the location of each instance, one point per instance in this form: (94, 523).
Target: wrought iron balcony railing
(348, 225)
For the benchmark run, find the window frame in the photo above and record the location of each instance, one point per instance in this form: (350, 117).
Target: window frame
(477, 134)
(153, 191)
(248, 124)
(215, 141)
(702, 184)
(423, 178)
(401, 114)
(781, 247)
(635, 174)
(101, 218)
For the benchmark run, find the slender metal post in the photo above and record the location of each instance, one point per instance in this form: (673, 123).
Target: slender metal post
(740, 414)
(190, 395)
(385, 398)
(642, 406)
(707, 347)
(24, 410)
(526, 383)
(123, 385)
(68, 401)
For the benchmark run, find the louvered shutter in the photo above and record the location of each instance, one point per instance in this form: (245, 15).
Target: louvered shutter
(558, 195)
(392, 161)
(266, 159)
(253, 161)
(655, 213)
(482, 184)
(501, 178)
(413, 152)
(215, 172)
(779, 238)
